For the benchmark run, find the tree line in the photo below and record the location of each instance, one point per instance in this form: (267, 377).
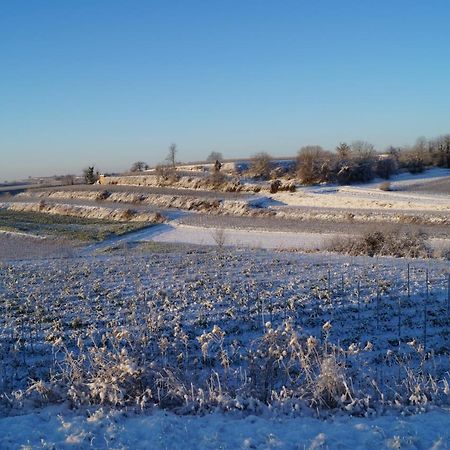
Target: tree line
(356, 162)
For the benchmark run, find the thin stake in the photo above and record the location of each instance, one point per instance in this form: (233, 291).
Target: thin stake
(329, 282)
(409, 290)
(378, 307)
(425, 314)
(448, 295)
(359, 303)
(399, 321)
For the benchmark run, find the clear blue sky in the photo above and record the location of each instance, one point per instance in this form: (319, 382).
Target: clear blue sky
(110, 82)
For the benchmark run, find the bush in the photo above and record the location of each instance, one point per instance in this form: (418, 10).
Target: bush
(261, 165)
(355, 172)
(356, 164)
(385, 167)
(394, 242)
(217, 179)
(103, 195)
(314, 164)
(128, 214)
(166, 173)
(386, 186)
(275, 186)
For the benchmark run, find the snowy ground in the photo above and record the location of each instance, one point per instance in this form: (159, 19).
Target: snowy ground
(299, 220)
(388, 327)
(368, 196)
(243, 238)
(179, 296)
(59, 428)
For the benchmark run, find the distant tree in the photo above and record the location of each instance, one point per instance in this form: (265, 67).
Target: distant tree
(393, 152)
(439, 150)
(172, 155)
(362, 150)
(343, 151)
(313, 164)
(214, 156)
(261, 165)
(139, 166)
(355, 163)
(90, 175)
(68, 179)
(417, 157)
(167, 172)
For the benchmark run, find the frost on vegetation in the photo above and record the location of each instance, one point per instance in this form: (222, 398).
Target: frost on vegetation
(204, 330)
(384, 242)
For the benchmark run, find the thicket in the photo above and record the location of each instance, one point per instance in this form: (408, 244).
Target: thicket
(360, 162)
(395, 242)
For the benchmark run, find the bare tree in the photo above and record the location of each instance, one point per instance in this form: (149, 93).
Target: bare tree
(362, 150)
(417, 157)
(68, 179)
(219, 237)
(139, 166)
(439, 150)
(172, 155)
(313, 164)
(261, 165)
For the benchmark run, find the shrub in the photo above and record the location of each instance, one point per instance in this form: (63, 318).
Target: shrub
(385, 186)
(394, 242)
(356, 163)
(385, 167)
(314, 164)
(128, 214)
(216, 178)
(166, 173)
(261, 165)
(275, 186)
(103, 195)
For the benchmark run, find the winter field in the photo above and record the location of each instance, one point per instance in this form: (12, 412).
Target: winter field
(145, 317)
(347, 347)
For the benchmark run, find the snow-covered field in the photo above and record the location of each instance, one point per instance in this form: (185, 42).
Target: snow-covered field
(212, 345)
(210, 348)
(369, 196)
(243, 238)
